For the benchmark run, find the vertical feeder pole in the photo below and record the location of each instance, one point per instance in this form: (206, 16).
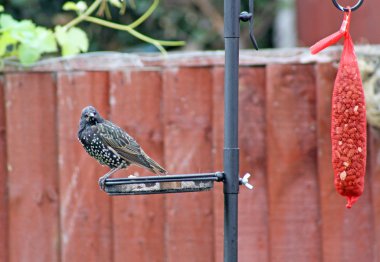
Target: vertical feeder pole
(231, 150)
(230, 177)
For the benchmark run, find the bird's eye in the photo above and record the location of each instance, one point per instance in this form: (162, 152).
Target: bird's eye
(85, 115)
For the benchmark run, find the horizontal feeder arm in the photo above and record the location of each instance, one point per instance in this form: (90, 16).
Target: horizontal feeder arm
(162, 184)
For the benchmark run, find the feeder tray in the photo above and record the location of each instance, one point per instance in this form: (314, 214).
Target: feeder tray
(162, 184)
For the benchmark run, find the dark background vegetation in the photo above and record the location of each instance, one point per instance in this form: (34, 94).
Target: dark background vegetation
(198, 22)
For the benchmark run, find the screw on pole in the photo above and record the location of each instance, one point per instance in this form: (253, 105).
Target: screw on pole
(244, 181)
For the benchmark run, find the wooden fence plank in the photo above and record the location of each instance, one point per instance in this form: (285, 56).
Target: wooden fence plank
(253, 225)
(139, 220)
(253, 205)
(217, 153)
(291, 164)
(346, 234)
(32, 167)
(330, 200)
(3, 178)
(85, 210)
(374, 183)
(187, 116)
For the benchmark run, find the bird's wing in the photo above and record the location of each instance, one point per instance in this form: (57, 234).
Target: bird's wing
(125, 145)
(117, 138)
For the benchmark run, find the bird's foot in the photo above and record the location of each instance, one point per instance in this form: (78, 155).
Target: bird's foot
(102, 182)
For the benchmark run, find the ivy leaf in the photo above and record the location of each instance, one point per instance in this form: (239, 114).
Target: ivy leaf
(28, 55)
(72, 41)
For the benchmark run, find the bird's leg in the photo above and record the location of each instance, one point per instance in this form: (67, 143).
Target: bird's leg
(102, 180)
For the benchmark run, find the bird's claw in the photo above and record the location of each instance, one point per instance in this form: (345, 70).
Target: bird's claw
(102, 183)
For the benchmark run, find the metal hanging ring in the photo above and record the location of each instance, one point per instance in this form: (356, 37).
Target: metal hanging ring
(344, 9)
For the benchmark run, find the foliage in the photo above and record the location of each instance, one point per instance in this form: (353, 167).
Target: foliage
(199, 22)
(28, 42)
(72, 40)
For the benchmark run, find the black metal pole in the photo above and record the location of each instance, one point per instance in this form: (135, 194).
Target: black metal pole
(231, 150)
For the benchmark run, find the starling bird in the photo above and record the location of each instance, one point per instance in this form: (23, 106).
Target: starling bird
(111, 145)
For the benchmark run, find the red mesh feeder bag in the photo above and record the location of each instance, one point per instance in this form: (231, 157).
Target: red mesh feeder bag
(348, 118)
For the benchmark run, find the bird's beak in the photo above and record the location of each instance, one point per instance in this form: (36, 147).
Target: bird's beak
(90, 115)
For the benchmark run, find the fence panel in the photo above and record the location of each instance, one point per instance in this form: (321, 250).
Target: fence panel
(138, 222)
(85, 211)
(32, 167)
(331, 203)
(3, 177)
(374, 185)
(253, 213)
(291, 163)
(217, 154)
(187, 119)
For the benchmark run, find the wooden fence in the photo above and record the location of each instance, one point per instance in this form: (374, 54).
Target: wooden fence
(51, 208)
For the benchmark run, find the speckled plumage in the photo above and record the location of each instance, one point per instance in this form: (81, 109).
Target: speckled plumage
(111, 145)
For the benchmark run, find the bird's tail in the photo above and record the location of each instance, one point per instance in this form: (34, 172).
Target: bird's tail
(154, 166)
(158, 169)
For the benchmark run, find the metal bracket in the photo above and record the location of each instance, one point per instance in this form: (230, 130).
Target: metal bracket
(167, 184)
(248, 16)
(162, 184)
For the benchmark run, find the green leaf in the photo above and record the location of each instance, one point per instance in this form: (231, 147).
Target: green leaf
(45, 40)
(5, 41)
(61, 34)
(28, 55)
(1, 8)
(23, 31)
(79, 7)
(7, 21)
(72, 41)
(70, 6)
(24, 40)
(80, 37)
(18, 29)
(3, 47)
(82, 6)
